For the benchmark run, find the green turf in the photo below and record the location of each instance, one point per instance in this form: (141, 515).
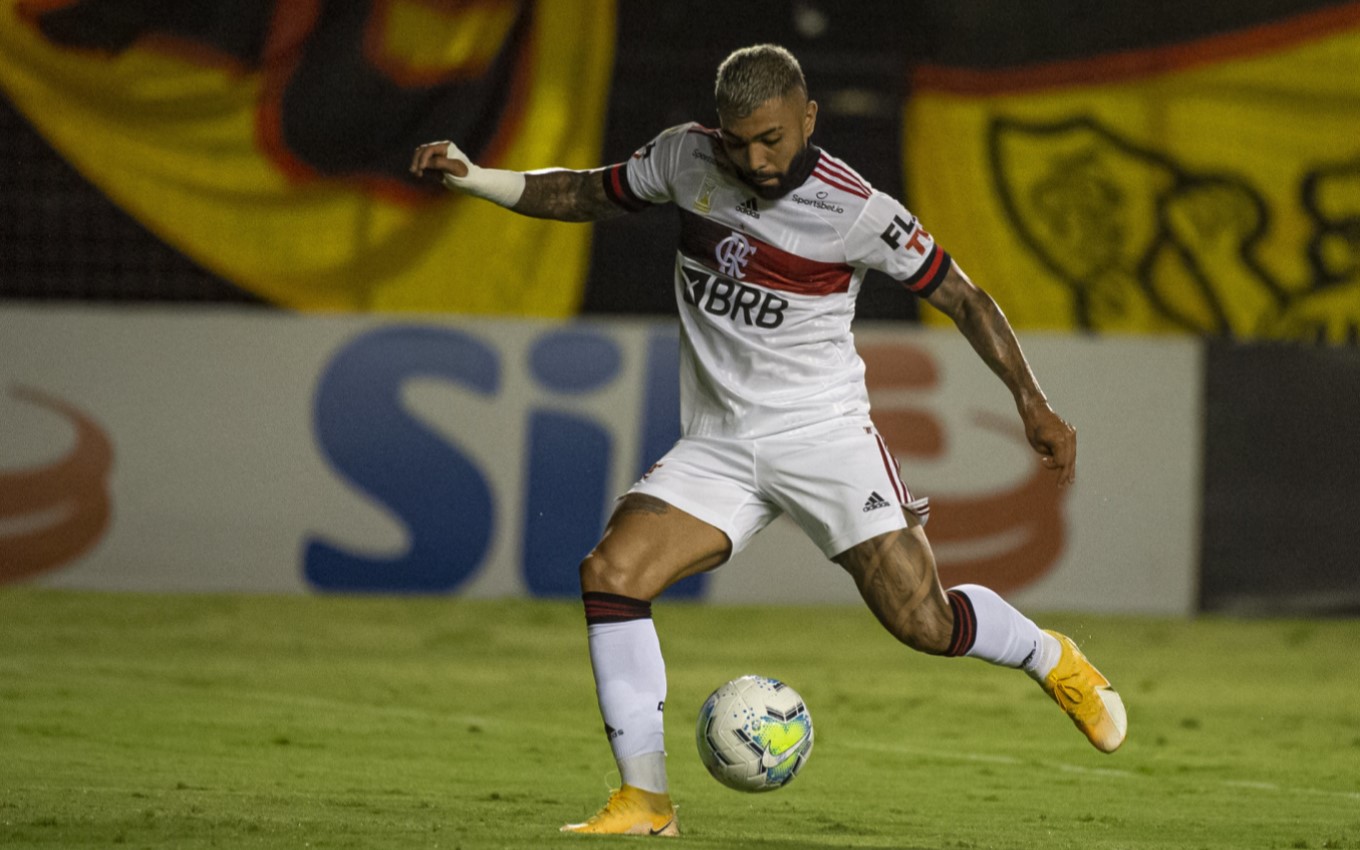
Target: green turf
(241, 722)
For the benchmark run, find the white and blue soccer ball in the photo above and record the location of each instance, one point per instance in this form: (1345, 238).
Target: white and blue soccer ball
(754, 734)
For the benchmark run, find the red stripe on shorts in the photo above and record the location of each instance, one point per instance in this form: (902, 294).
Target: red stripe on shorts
(890, 464)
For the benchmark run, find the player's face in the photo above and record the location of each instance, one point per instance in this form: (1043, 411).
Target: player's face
(765, 145)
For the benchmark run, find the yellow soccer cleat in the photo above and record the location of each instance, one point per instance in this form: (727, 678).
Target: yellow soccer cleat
(631, 811)
(1077, 686)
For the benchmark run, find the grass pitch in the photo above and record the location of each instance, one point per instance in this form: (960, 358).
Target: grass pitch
(243, 722)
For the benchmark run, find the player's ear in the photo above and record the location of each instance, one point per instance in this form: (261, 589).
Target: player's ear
(809, 119)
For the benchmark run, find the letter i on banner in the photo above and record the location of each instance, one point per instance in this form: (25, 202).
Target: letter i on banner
(661, 427)
(567, 462)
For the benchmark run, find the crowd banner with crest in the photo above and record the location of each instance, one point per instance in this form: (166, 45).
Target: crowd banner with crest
(269, 140)
(1211, 185)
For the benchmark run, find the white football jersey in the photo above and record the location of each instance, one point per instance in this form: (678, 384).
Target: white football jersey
(767, 288)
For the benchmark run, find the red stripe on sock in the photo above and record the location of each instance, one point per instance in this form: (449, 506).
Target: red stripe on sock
(614, 608)
(965, 624)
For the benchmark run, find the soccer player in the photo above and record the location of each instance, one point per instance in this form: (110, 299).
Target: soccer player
(776, 236)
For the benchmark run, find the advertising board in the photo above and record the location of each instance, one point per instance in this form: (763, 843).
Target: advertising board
(222, 450)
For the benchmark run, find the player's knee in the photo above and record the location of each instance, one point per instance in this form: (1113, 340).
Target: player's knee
(602, 574)
(597, 574)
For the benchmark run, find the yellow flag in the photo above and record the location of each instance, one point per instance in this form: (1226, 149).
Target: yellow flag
(271, 150)
(1210, 187)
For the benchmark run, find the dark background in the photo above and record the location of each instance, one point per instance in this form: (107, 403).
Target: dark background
(61, 239)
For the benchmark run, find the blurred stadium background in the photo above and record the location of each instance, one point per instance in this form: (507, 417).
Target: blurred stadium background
(240, 350)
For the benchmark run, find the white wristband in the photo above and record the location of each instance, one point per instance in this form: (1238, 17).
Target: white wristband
(494, 184)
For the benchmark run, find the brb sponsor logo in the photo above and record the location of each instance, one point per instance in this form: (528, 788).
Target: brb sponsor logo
(726, 296)
(560, 389)
(719, 296)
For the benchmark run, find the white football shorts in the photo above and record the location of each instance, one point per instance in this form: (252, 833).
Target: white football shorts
(837, 481)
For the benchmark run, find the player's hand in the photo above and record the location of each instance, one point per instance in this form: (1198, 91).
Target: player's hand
(443, 157)
(453, 168)
(1053, 439)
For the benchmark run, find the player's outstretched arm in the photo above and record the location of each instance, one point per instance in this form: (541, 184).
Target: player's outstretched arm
(559, 194)
(980, 320)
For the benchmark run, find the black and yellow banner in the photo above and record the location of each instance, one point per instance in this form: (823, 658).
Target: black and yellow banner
(268, 139)
(1211, 185)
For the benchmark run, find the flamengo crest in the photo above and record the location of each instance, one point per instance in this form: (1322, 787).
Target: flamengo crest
(733, 253)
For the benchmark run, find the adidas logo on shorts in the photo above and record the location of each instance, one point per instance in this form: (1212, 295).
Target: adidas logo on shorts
(875, 502)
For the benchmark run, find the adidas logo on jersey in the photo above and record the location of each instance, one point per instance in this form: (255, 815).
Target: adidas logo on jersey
(749, 207)
(875, 502)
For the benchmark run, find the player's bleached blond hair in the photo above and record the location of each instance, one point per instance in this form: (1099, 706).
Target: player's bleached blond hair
(752, 75)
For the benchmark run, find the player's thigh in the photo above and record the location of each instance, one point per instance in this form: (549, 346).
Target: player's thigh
(649, 545)
(691, 511)
(713, 480)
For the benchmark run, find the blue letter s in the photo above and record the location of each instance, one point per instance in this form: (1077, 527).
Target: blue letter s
(369, 438)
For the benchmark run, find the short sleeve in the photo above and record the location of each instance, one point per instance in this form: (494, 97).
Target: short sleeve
(889, 238)
(647, 176)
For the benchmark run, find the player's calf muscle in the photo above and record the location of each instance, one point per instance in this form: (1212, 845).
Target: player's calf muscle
(895, 573)
(918, 622)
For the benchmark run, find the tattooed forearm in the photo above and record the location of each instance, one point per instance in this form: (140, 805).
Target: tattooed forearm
(566, 196)
(984, 325)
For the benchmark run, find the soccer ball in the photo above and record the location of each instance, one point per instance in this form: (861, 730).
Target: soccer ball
(754, 734)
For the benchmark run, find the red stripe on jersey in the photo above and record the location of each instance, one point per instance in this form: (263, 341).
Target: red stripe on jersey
(837, 167)
(832, 179)
(766, 265)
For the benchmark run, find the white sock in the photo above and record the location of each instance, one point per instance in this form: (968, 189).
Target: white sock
(990, 628)
(630, 681)
(646, 771)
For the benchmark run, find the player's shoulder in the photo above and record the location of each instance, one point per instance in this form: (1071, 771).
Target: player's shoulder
(695, 128)
(690, 132)
(678, 144)
(864, 216)
(836, 193)
(869, 205)
(835, 174)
